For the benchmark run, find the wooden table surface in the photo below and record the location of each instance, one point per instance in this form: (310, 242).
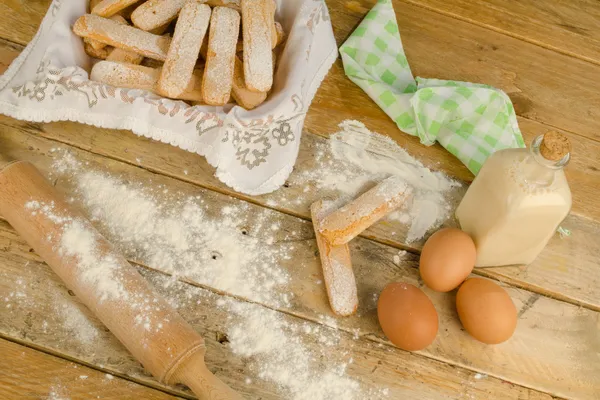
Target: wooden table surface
(545, 55)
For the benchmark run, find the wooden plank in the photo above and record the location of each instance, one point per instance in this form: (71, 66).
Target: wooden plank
(583, 173)
(32, 318)
(554, 350)
(574, 278)
(567, 27)
(21, 19)
(29, 374)
(545, 86)
(447, 49)
(567, 269)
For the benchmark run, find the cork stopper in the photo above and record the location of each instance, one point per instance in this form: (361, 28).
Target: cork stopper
(555, 146)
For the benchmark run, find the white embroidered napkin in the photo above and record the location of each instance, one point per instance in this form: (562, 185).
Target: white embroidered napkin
(253, 151)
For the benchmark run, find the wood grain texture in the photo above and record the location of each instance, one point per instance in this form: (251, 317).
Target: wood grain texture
(21, 19)
(566, 27)
(567, 269)
(545, 86)
(26, 373)
(33, 319)
(583, 173)
(554, 350)
(163, 356)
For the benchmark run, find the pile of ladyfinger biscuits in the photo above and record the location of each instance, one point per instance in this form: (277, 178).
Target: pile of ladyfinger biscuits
(185, 49)
(335, 228)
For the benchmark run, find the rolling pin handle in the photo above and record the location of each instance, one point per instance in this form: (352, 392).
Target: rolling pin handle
(195, 375)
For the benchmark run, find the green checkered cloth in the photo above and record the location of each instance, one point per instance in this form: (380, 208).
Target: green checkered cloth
(470, 120)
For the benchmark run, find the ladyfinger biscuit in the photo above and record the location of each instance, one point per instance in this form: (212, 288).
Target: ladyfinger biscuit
(235, 4)
(121, 55)
(189, 33)
(99, 45)
(239, 48)
(257, 24)
(125, 76)
(220, 58)
(345, 224)
(140, 77)
(279, 34)
(155, 13)
(240, 93)
(122, 36)
(93, 3)
(161, 29)
(107, 8)
(337, 269)
(125, 56)
(101, 54)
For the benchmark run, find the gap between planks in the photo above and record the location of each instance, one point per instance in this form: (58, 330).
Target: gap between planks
(46, 145)
(507, 33)
(19, 47)
(66, 357)
(369, 337)
(481, 272)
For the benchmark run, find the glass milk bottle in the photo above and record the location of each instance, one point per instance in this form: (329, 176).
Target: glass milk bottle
(517, 201)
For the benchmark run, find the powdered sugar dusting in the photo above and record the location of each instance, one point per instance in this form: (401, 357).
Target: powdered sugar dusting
(342, 285)
(258, 18)
(123, 36)
(155, 13)
(185, 48)
(218, 74)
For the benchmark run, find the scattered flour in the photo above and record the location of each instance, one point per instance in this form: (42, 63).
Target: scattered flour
(276, 349)
(58, 392)
(76, 322)
(17, 295)
(181, 237)
(102, 272)
(354, 159)
(398, 257)
(184, 236)
(79, 240)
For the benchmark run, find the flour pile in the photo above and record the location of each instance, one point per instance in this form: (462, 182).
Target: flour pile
(182, 236)
(277, 351)
(229, 248)
(354, 159)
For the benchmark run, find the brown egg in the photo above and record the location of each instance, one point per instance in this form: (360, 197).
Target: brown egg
(486, 311)
(407, 316)
(448, 257)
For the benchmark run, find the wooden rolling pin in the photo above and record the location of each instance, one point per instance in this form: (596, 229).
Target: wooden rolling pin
(158, 337)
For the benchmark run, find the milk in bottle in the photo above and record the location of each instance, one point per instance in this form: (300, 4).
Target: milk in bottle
(517, 201)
